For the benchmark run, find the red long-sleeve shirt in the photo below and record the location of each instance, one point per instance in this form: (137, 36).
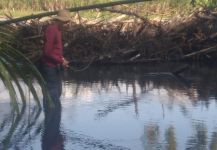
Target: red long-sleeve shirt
(53, 49)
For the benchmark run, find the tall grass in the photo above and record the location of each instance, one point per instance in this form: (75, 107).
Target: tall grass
(208, 3)
(155, 7)
(38, 5)
(45, 4)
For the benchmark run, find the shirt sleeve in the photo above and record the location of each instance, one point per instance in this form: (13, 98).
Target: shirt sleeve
(49, 47)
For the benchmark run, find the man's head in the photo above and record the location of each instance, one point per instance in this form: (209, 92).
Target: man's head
(63, 17)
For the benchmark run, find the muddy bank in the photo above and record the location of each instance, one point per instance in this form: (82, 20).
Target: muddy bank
(118, 40)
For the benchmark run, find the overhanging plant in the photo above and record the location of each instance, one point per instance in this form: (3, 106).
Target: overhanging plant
(16, 69)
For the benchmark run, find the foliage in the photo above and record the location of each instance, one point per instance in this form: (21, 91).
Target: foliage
(16, 70)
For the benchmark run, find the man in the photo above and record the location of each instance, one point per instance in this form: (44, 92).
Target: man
(52, 58)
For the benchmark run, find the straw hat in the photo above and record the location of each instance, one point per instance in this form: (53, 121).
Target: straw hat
(63, 15)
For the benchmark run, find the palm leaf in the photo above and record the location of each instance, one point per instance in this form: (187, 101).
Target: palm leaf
(14, 65)
(29, 70)
(15, 79)
(4, 75)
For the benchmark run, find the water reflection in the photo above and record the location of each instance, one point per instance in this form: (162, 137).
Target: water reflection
(122, 107)
(171, 138)
(172, 102)
(199, 139)
(151, 136)
(213, 144)
(52, 139)
(18, 129)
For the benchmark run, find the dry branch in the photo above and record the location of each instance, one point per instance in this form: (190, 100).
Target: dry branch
(206, 50)
(124, 12)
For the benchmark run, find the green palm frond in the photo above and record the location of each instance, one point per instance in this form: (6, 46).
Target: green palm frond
(13, 66)
(15, 79)
(7, 80)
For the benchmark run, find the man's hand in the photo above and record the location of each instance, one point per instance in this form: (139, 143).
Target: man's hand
(65, 63)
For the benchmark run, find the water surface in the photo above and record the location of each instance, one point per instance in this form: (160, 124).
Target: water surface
(133, 107)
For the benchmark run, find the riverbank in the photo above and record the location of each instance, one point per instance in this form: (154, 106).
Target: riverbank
(133, 40)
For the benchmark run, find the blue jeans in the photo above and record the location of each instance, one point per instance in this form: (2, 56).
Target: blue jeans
(53, 80)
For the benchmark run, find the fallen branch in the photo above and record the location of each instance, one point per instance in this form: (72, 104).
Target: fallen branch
(206, 50)
(135, 57)
(124, 12)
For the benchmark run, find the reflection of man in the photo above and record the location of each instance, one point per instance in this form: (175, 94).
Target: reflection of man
(52, 57)
(52, 138)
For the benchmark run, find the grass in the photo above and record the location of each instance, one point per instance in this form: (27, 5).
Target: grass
(18, 13)
(165, 8)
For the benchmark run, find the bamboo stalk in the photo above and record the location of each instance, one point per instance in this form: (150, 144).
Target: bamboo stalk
(110, 4)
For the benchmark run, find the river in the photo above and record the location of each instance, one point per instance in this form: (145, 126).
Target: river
(125, 107)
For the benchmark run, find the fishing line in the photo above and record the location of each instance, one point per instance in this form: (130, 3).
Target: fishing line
(82, 69)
